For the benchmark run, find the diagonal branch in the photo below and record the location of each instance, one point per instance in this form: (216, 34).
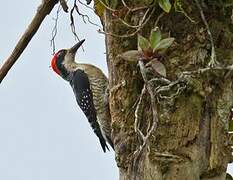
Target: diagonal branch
(44, 9)
(64, 5)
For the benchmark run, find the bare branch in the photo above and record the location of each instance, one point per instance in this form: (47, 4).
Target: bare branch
(107, 7)
(43, 10)
(136, 8)
(84, 17)
(72, 25)
(86, 6)
(142, 23)
(64, 5)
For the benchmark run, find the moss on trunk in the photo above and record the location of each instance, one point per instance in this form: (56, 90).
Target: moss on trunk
(190, 141)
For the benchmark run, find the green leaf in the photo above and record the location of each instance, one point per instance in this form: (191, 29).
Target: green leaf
(165, 5)
(155, 37)
(164, 44)
(158, 67)
(132, 55)
(143, 43)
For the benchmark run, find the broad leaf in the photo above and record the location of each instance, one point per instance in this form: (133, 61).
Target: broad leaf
(143, 43)
(132, 55)
(155, 37)
(164, 44)
(158, 67)
(165, 5)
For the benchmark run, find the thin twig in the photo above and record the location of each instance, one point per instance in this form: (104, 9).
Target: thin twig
(124, 3)
(135, 9)
(202, 70)
(170, 85)
(138, 113)
(142, 23)
(72, 24)
(84, 16)
(43, 10)
(107, 7)
(167, 156)
(127, 24)
(213, 61)
(160, 79)
(158, 19)
(138, 26)
(172, 96)
(54, 31)
(130, 9)
(86, 5)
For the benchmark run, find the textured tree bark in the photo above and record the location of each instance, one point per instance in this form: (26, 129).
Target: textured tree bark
(191, 140)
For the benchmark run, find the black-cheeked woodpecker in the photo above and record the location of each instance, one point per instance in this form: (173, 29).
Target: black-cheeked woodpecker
(89, 85)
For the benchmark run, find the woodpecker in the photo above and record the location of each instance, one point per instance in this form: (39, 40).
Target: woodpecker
(89, 85)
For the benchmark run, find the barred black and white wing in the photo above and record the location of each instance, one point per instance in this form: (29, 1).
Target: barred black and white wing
(81, 86)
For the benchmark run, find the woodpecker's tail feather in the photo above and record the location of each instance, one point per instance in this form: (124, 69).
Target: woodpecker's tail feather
(103, 143)
(95, 126)
(110, 142)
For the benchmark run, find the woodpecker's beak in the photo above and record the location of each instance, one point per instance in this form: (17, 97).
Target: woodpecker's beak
(74, 49)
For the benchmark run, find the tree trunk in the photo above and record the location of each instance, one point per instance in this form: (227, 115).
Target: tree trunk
(191, 138)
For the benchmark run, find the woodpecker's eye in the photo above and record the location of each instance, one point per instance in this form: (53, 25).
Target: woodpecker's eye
(61, 54)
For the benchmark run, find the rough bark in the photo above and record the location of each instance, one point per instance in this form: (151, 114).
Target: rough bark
(191, 141)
